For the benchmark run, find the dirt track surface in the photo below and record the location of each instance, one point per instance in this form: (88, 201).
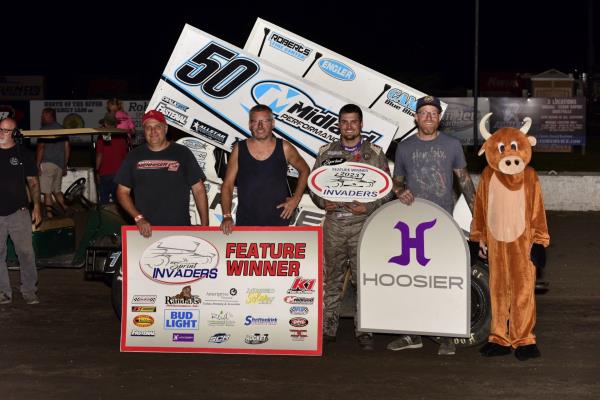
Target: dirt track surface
(68, 347)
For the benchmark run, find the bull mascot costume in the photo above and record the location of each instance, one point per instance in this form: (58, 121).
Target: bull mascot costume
(508, 218)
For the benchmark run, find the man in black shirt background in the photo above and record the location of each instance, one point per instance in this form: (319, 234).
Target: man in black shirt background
(17, 167)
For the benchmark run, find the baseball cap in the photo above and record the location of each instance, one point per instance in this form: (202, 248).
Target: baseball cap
(154, 114)
(109, 119)
(429, 101)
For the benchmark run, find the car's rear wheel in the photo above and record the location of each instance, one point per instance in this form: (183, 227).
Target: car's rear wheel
(116, 290)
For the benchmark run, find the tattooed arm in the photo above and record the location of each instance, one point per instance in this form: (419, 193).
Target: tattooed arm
(466, 186)
(34, 190)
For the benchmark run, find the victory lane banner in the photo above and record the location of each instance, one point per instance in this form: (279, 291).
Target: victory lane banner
(414, 272)
(197, 290)
(209, 85)
(350, 181)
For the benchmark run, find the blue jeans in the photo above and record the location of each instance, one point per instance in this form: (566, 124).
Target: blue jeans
(18, 226)
(108, 189)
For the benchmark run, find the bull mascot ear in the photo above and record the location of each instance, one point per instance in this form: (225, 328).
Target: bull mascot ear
(486, 134)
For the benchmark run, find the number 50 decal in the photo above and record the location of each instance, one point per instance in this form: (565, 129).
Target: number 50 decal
(217, 70)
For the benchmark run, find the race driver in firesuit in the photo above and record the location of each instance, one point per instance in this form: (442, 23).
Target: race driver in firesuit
(344, 220)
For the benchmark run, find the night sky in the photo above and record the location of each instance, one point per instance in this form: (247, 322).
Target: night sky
(427, 45)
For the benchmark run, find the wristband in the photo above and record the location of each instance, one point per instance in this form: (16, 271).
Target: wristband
(227, 216)
(138, 218)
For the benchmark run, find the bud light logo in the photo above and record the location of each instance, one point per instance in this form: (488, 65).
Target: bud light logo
(337, 70)
(417, 243)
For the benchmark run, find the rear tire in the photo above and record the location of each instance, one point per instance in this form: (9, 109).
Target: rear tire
(116, 290)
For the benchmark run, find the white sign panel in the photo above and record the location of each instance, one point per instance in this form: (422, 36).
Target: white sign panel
(257, 291)
(350, 181)
(332, 71)
(208, 87)
(414, 272)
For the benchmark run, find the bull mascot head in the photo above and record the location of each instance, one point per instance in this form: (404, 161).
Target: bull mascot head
(508, 150)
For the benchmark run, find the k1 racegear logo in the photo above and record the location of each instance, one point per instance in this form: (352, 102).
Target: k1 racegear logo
(171, 114)
(302, 286)
(180, 259)
(288, 46)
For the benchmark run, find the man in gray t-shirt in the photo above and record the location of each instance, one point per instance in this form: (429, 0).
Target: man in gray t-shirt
(424, 167)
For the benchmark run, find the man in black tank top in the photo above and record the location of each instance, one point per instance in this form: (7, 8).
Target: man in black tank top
(258, 167)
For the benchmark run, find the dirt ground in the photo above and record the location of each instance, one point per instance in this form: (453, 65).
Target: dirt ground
(68, 347)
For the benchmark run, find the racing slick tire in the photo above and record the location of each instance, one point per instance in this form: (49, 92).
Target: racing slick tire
(116, 290)
(481, 307)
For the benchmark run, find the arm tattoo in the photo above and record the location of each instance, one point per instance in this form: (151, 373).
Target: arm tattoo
(34, 189)
(466, 186)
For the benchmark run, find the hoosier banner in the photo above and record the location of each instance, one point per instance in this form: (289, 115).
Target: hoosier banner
(196, 290)
(315, 63)
(414, 272)
(208, 87)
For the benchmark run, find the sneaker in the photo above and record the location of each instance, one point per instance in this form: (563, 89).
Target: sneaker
(524, 353)
(447, 348)
(4, 298)
(406, 342)
(31, 298)
(495, 350)
(366, 342)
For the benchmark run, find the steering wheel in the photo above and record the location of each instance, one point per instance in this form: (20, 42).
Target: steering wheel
(75, 190)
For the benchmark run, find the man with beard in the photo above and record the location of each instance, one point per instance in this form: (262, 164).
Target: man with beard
(344, 220)
(424, 167)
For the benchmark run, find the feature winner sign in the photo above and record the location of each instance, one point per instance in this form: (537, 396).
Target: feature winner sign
(350, 181)
(197, 290)
(414, 272)
(209, 85)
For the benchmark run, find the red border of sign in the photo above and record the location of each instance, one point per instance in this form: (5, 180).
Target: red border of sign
(317, 352)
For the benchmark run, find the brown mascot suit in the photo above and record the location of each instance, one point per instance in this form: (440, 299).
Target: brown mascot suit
(509, 217)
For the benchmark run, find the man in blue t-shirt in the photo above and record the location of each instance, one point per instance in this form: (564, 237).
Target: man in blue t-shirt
(424, 167)
(160, 175)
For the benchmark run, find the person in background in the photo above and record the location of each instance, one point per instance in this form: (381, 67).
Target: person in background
(52, 157)
(111, 150)
(17, 169)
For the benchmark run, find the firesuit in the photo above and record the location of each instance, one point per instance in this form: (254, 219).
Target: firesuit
(341, 231)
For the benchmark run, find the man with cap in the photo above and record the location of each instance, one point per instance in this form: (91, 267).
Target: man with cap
(160, 174)
(110, 153)
(424, 167)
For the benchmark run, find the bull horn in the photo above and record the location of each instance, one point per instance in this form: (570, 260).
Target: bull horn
(526, 125)
(482, 129)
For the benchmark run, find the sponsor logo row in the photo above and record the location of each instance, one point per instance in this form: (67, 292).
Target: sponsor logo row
(222, 337)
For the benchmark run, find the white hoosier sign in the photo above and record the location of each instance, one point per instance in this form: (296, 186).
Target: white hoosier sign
(209, 85)
(414, 272)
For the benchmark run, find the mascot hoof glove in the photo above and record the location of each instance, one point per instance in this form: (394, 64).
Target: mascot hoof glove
(524, 353)
(494, 350)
